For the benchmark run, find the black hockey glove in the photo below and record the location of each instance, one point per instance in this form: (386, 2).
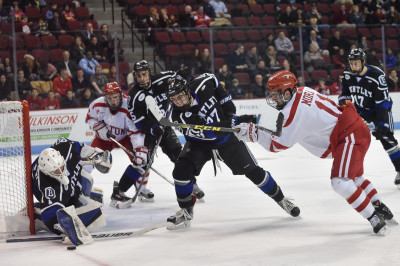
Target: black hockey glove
(110, 135)
(380, 130)
(157, 130)
(236, 120)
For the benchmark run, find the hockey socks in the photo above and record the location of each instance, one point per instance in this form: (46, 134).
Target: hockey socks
(271, 188)
(130, 177)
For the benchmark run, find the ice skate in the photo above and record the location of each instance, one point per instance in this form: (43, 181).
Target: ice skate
(118, 197)
(181, 219)
(385, 212)
(145, 194)
(397, 180)
(198, 192)
(289, 207)
(378, 224)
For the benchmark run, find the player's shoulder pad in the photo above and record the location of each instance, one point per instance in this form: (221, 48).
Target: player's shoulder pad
(377, 75)
(161, 78)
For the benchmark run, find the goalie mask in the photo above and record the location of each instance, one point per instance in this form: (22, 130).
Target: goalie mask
(142, 74)
(280, 88)
(52, 163)
(178, 93)
(113, 96)
(355, 55)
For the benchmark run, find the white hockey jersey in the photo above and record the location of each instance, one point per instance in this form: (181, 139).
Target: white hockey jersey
(119, 123)
(309, 119)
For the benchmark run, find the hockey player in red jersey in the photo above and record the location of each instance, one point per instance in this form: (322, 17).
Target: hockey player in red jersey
(327, 131)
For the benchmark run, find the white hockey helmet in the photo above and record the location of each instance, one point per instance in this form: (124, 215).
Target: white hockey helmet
(52, 164)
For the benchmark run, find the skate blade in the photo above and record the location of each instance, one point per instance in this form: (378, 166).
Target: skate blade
(392, 222)
(119, 205)
(384, 231)
(146, 200)
(181, 226)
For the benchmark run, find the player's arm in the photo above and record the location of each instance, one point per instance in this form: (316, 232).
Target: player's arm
(346, 94)
(383, 105)
(225, 100)
(94, 119)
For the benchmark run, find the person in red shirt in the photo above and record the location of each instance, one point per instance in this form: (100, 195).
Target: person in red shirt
(322, 87)
(201, 20)
(62, 83)
(34, 100)
(51, 102)
(336, 87)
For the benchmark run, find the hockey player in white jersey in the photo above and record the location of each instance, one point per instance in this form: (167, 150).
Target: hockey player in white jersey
(109, 118)
(327, 131)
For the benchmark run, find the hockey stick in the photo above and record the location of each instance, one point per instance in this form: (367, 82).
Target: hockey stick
(140, 168)
(373, 129)
(97, 236)
(152, 105)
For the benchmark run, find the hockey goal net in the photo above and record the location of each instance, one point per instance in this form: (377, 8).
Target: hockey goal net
(16, 198)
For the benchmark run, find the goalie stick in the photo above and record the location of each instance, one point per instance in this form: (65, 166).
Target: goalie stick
(96, 236)
(152, 105)
(140, 168)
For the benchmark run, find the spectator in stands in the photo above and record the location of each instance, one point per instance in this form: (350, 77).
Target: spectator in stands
(80, 81)
(68, 13)
(130, 80)
(252, 58)
(98, 80)
(355, 16)
(298, 14)
(363, 43)
(322, 87)
(377, 17)
(262, 69)
(337, 42)
(29, 67)
(51, 102)
(208, 8)
(288, 66)
(45, 70)
(341, 17)
(390, 3)
(258, 86)
(24, 85)
(52, 9)
(57, 25)
(271, 59)
(340, 59)
(295, 32)
(62, 83)
(78, 50)
(393, 80)
(87, 34)
(269, 40)
(43, 27)
(194, 63)
(392, 16)
(104, 36)
(235, 90)
(112, 76)
(372, 59)
(205, 61)
(224, 74)
(369, 4)
(336, 87)
(26, 25)
(69, 101)
(153, 24)
(167, 22)
(283, 44)
(4, 14)
(111, 51)
(391, 60)
(313, 58)
(34, 100)
(18, 13)
(186, 17)
(4, 88)
(67, 64)
(313, 14)
(317, 41)
(87, 98)
(97, 49)
(237, 59)
(315, 27)
(285, 18)
(88, 63)
(220, 9)
(201, 20)
(8, 67)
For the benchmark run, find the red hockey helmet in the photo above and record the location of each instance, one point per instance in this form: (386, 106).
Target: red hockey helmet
(277, 85)
(113, 102)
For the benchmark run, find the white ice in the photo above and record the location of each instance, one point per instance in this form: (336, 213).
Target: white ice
(237, 224)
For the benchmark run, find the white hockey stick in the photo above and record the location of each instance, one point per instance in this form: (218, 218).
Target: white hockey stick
(96, 236)
(152, 105)
(140, 168)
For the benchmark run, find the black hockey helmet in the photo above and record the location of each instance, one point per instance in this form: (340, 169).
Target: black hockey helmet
(176, 85)
(139, 66)
(357, 54)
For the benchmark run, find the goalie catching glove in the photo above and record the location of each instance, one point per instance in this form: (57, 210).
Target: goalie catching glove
(102, 160)
(140, 159)
(247, 133)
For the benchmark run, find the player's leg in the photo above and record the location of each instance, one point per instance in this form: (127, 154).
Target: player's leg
(189, 164)
(347, 164)
(241, 161)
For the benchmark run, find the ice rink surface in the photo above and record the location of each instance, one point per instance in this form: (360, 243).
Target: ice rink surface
(237, 224)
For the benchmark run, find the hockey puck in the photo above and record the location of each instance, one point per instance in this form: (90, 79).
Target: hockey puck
(71, 248)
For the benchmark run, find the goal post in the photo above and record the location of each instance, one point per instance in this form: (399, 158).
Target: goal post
(16, 191)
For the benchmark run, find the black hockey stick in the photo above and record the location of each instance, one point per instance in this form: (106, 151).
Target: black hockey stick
(152, 105)
(140, 168)
(97, 236)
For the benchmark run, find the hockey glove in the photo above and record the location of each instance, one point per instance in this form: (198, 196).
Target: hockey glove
(102, 160)
(101, 130)
(157, 130)
(236, 120)
(381, 130)
(140, 159)
(247, 133)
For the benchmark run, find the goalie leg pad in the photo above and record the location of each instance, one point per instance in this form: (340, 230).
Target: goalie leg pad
(91, 214)
(73, 227)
